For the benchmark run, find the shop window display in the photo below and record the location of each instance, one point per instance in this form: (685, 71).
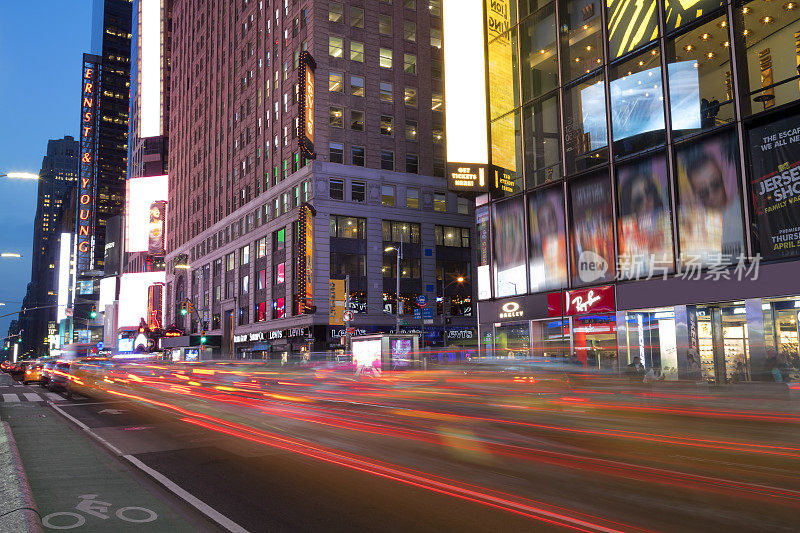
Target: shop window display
(782, 363)
(710, 215)
(508, 228)
(592, 241)
(581, 38)
(650, 336)
(548, 241)
(644, 221)
(585, 128)
(512, 340)
(595, 342)
(700, 78)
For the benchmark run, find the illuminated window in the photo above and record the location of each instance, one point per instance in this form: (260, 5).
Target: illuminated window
(357, 85)
(440, 202)
(335, 46)
(386, 92)
(356, 17)
(436, 38)
(387, 195)
(387, 123)
(357, 120)
(412, 198)
(410, 63)
(411, 130)
(335, 82)
(630, 25)
(410, 97)
(385, 58)
(410, 4)
(335, 12)
(385, 24)
(356, 51)
(410, 31)
(337, 117)
(344, 227)
(437, 102)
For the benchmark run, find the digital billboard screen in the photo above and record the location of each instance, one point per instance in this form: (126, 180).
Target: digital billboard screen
(592, 231)
(142, 196)
(134, 305)
(508, 227)
(548, 246)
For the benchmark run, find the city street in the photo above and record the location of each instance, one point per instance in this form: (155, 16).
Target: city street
(448, 452)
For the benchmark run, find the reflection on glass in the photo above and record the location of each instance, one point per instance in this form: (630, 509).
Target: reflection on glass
(644, 223)
(770, 34)
(637, 103)
(539, 55)
(710, 216)
(502, 59)
(542, 150)
(548, 246)
(700, 82)
(581, 38)
(585, 133)
(680, 12)
(630, 25)
(512, 340)
(592, 234)
(508, 228)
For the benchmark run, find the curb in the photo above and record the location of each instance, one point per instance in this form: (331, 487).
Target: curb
(18, 510)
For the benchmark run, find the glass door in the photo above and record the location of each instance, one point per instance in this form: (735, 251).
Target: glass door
(595, 342)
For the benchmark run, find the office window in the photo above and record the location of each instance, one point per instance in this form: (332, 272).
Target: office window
(410, 4)
(410, 31)
(278, 307)
(385, 24)
(244, 255)
(337, 189)
(348, 264)
(336, 152)
(261, 247)
(406, 232)
(279, 239)
(437, 101)
(335, 12)
(337, 117)
(440, 202)
(357, 120)
(229, 287)
(410, 63)
(387, 160)
(230, 262)
(411, 130)
(463, 206)
(358, 191)
(356, 51)
(357, 85)
(410, 97)
(244, 285)
(262, 279)
(335, 82)
(385, 58)
(356, 17)
(435, 8)
(436, 38)
(412, 163)
(436, 68)
(357, 157)
(279, 274)
(387, 195)
(412, 198)
(386, 92)
(335, 46)
(344, 227)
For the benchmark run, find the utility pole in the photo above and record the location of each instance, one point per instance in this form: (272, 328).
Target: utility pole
(399, 309)
(348, 339)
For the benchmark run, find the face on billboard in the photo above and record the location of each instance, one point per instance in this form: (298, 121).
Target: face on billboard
(592, 235)
(710, 214)
(548, 244)
(508, 227)
(143, 195)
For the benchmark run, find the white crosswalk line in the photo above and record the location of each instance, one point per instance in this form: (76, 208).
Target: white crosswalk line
(53, 396)
(10, 398)
(33, 397)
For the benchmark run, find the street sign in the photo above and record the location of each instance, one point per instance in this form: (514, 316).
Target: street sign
(351, 331)
(347, 316)
(422, 300)
(417, 313)
(68, 311)
(99, 345)
(427, 313)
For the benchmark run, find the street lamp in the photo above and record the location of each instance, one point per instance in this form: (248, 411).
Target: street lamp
(459, 279)
(20, 175)
(399, 252)
(11, 254)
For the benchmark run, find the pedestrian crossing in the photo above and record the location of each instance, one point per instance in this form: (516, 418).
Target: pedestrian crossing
(33, 397)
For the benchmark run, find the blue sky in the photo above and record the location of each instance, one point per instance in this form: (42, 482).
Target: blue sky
(41, 47)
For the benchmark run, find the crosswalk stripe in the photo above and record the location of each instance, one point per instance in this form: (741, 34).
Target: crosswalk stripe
(33, 397)
(53, 396)
(10, 398)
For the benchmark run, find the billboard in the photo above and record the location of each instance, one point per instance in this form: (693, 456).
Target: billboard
(143, 195)
(775, 185)
(307, 101)
(336, 302)
(484, 253)
(548, 240)
(592, 231)
(508, 228)
(502, 83)
(305, 263)
(113, 247)
(465, 83)
(134, 297)
(87, 166)
(150, 68)
(64, 270)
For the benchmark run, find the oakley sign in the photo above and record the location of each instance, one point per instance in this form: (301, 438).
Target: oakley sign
(510, 310)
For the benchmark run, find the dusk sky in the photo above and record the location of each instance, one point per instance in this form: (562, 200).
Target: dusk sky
(41, 46)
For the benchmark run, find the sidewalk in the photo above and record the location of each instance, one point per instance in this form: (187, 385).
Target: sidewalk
(77, 486)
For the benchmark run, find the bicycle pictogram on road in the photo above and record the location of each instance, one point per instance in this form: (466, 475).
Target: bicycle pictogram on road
(90, 505)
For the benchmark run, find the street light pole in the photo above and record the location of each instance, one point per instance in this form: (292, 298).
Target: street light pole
(399, 252)
(20, 175)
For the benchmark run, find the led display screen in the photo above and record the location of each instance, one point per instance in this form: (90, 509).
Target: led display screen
(142, 196)
(592, 232)
(150, 68)
(64, 254)
(710, 215)
(401, 353)
(644, 221)
(548, 246)
(630, 24)
(367, 356)
(484, 257)
(133, 297)
(508, 228)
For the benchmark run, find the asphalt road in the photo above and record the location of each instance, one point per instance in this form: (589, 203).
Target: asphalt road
(311, 454)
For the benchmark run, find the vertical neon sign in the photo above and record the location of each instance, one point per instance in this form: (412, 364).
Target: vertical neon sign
(87, 174)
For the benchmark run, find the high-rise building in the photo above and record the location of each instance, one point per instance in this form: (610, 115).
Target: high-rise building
(642, 170)
(59, 174)
(278, 106)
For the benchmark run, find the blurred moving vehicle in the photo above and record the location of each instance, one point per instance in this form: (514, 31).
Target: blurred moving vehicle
(6, 366)
(59, 377)
(32, 372)
(47, 372)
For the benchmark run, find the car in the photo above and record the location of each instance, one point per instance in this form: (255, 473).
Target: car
(5, 366)
(59, 377)
(47, 372)
(32, 372)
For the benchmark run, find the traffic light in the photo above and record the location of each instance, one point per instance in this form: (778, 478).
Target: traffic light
(184, 309)
(203, 338)
(93, 314)
(19, 339)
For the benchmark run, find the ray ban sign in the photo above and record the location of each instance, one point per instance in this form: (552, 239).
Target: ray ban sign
(510, 310)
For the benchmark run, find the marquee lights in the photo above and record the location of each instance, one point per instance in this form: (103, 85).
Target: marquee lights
(307, 100)
(87, 174)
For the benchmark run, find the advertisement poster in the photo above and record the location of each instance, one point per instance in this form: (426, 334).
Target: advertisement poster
(592, 232)
(548, 238)
(502, 86)
(401, 354)
(484, 257)
(710, 215)
(508, 226)
(775, 186)
(630, 24)
(645, 224)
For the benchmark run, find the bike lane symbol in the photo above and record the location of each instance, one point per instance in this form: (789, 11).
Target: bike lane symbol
(89, 505)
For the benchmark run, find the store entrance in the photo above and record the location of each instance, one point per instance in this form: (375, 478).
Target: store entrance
(595, 342)
(723, 343)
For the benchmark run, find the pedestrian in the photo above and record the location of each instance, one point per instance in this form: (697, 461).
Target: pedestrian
(635, 370)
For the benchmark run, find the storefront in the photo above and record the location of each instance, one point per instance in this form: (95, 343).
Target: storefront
(251, 345)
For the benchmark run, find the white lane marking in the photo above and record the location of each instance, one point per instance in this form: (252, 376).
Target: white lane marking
(85, 428)
(55, 397)
(32, 397)
(10, 398)
(195, 502)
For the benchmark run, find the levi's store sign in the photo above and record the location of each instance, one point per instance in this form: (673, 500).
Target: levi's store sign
(87, 170)
(581, 301)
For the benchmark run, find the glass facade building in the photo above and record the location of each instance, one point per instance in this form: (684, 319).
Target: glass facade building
(644, 164)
